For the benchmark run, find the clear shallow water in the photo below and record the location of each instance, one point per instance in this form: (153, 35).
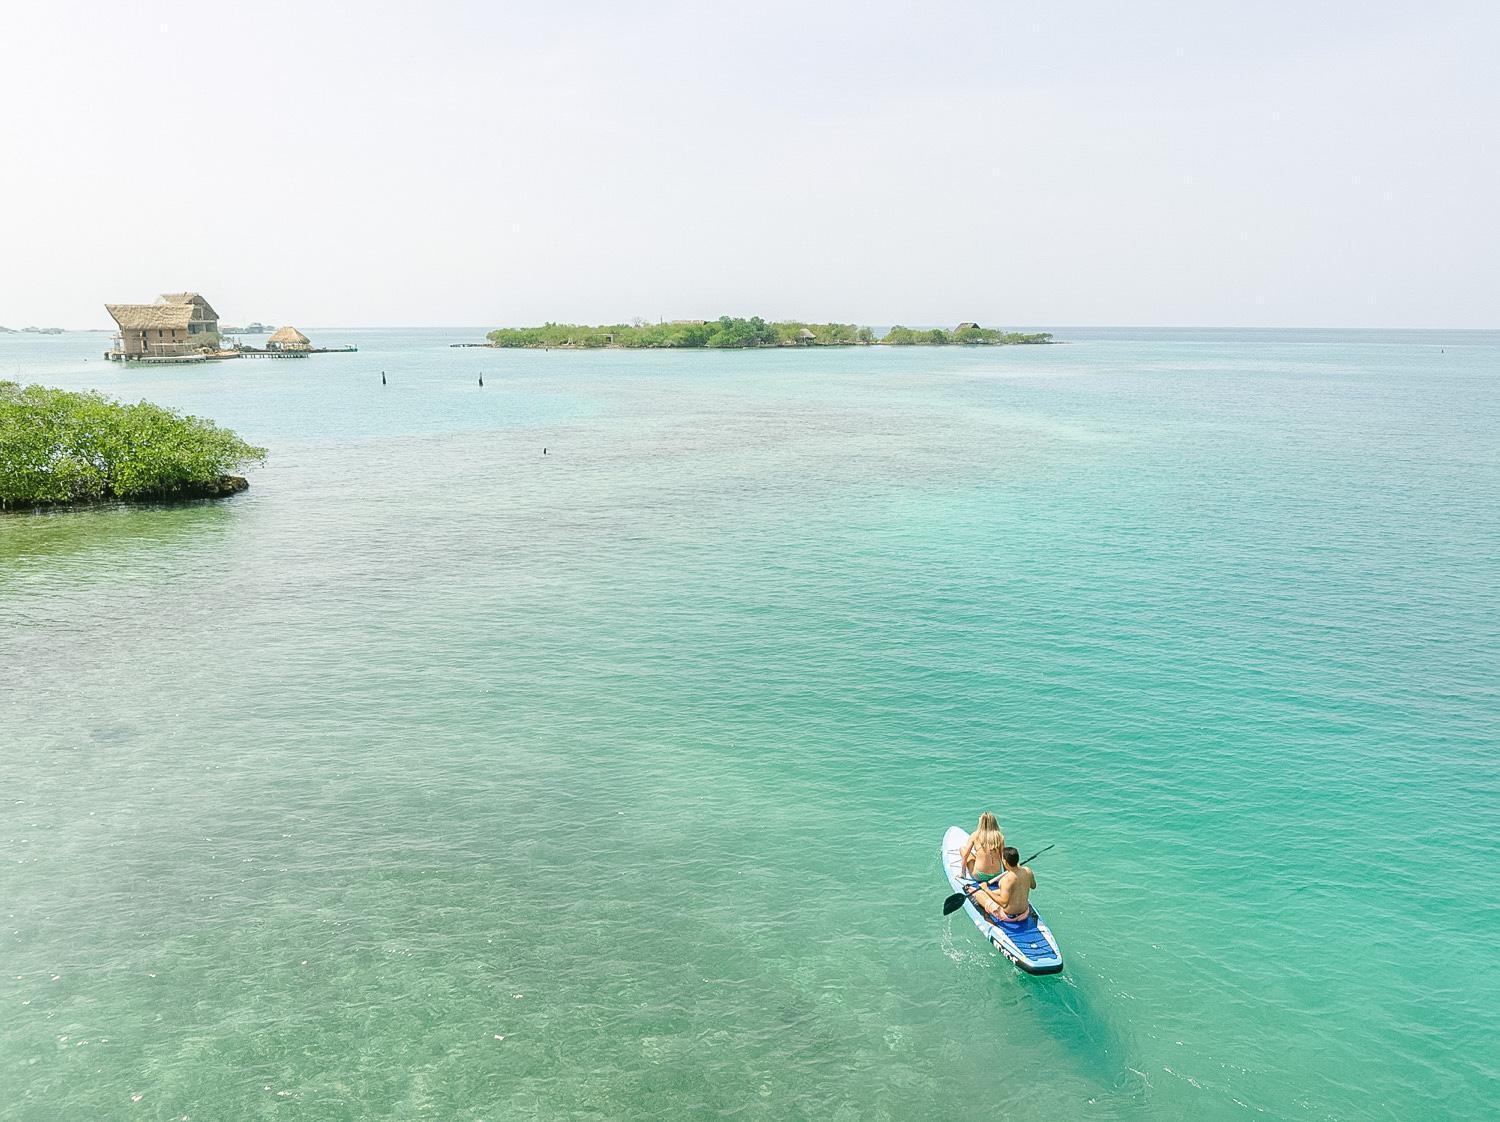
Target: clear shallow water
(660, 732)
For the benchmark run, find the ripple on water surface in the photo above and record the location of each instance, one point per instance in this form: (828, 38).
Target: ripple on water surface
(436, 777)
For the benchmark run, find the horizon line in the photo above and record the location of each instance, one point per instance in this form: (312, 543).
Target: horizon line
(871, 323)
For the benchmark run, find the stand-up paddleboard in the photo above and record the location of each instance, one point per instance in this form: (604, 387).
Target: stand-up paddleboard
(1028, 943)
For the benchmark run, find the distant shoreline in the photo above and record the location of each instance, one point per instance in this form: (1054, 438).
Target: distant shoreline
(764, 347)
(731, 333)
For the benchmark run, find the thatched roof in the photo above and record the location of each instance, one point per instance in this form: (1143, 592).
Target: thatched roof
(171, 310)
(189, 298)
(965, 326)
(288, 335)
(133, 316)
(805, 334)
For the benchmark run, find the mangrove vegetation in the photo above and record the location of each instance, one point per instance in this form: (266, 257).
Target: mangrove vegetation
(730, 332)
(61, 447)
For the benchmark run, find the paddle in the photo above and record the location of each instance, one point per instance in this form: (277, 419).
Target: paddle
(958, 899)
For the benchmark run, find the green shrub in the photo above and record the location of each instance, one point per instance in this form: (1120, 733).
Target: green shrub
(61, 447)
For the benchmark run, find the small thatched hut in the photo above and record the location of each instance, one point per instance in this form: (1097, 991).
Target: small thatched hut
(288, 339)
(805, 338)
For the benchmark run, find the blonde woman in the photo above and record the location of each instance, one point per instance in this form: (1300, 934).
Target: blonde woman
(981, 853)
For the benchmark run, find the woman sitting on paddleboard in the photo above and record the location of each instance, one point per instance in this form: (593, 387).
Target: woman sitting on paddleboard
(981, 853)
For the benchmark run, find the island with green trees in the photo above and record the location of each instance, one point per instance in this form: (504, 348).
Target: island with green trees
(58, 447)
(730, 332)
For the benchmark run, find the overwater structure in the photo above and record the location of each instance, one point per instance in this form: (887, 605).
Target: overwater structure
(183, 327)
(179, 327)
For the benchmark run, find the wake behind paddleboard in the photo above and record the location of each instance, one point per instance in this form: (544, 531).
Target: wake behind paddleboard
(1028, 943)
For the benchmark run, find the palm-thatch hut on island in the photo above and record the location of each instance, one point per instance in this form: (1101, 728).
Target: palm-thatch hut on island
(288, 339)
(180, 325)
(965, 326)
(805, 338)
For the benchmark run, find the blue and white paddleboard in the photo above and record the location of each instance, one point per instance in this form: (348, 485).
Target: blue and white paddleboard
(1028, 943)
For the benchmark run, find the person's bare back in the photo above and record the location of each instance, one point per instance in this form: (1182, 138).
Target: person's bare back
(1010, 900)
(981, 853)
(1015, 890)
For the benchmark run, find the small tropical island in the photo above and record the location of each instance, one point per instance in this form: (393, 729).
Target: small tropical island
(59, 448)
(731, 332)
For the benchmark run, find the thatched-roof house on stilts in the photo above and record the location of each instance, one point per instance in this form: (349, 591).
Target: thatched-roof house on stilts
(178, 325)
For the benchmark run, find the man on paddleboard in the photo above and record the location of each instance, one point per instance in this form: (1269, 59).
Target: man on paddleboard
(1010, 902)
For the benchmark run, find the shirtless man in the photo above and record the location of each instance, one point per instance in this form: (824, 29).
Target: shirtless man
(1012, 901)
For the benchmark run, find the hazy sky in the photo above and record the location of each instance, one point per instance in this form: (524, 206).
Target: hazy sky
(1183, 163)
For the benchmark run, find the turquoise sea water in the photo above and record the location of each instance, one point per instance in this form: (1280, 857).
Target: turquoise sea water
(637, 754)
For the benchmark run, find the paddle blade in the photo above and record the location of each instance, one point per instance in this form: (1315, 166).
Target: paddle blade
(953, 903)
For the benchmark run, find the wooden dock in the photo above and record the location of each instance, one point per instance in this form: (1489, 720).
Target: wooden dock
(302, 352)
(215, 356)
(169, 360)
